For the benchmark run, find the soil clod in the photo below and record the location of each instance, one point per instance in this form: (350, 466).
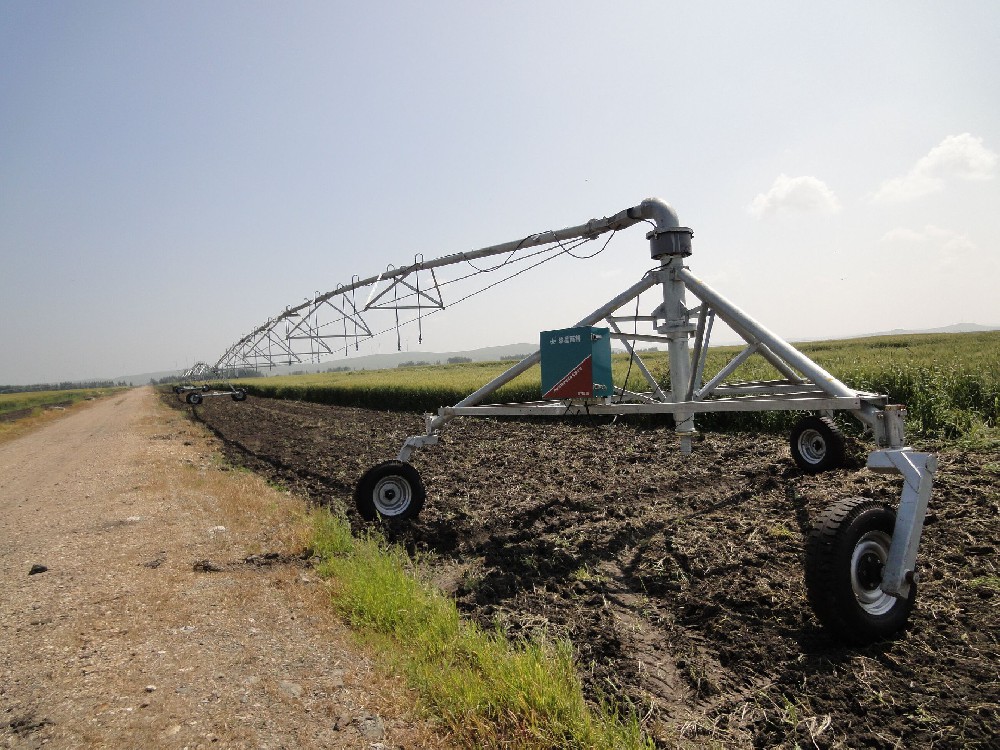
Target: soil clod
(207, 566)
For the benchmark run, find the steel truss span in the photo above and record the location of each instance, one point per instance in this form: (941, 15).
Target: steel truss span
(200, 371)
(333, 322)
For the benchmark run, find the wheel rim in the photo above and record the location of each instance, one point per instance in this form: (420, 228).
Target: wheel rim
(812, 446)
(392, 495)
(867, 564)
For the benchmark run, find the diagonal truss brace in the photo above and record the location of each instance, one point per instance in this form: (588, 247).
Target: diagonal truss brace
(309, 328)
(432, 298)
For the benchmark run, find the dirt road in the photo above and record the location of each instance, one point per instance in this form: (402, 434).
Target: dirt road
(149, 626)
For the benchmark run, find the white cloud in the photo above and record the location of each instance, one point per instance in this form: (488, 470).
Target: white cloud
(904, 235)
(795, 195)
(949, 246)
(957, 157)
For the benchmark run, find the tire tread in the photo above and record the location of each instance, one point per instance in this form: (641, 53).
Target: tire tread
(836, 455)
(824, 571)
(363, 490)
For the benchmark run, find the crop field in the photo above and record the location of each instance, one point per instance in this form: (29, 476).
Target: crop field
(950, 383)
(15, 407)
(678, 580)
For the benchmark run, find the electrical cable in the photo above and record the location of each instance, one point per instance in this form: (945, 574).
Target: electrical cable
(635, 332)
(594, 255)
(507, 260)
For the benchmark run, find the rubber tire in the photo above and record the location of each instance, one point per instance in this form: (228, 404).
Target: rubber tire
(194, 398)
(239, 395)
(817, 444)
(856, 523)
(391, 490)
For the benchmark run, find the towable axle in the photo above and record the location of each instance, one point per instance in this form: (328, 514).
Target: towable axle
(195, 394)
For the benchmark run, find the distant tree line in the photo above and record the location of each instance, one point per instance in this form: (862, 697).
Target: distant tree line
(165, 380)
(64, 386)
(234, 374)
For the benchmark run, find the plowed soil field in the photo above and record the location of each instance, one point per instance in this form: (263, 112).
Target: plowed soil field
(678, 580)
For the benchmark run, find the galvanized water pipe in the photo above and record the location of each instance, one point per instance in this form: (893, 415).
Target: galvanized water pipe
(670, 244)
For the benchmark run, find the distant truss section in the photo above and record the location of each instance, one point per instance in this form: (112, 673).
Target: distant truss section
(335, 321)
(201, 371)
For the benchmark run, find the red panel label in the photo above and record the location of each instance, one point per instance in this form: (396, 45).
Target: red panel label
(578, 383)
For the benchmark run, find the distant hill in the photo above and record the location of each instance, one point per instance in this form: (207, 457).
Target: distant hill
(957, 328)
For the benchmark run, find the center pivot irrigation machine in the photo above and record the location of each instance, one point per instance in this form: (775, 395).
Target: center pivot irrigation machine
(861, 554)
(195, 394)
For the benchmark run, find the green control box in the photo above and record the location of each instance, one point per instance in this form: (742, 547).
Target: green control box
(576, 363)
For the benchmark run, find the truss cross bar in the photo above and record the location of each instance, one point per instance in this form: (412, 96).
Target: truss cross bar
(641, 397)
(650, 337)
(255, 349)
(726, 371)
(437, 303)
(473, 399)
(744, 404)
(637, 359)
(313, 332)
(774, 387)
(755, 333)
(703, 335)
(632, 318)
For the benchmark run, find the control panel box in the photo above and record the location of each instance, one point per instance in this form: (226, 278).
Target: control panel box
(576, 363)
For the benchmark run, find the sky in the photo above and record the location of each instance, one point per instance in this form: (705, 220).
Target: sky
(173, 174)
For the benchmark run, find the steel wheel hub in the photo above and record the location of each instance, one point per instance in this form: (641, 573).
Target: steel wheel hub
(393, 495)
(812, 446)
(867, 564)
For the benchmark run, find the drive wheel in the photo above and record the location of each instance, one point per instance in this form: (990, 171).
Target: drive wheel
(390, 490)
(846, 554)
(194, 398)
(817, 444)
(239, 395)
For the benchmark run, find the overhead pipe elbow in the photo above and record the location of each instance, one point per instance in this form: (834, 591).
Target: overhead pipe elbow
(668, 237)
(658, 211)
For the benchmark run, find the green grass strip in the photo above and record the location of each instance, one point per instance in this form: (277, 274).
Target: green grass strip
(37, 400)
(488, 691)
